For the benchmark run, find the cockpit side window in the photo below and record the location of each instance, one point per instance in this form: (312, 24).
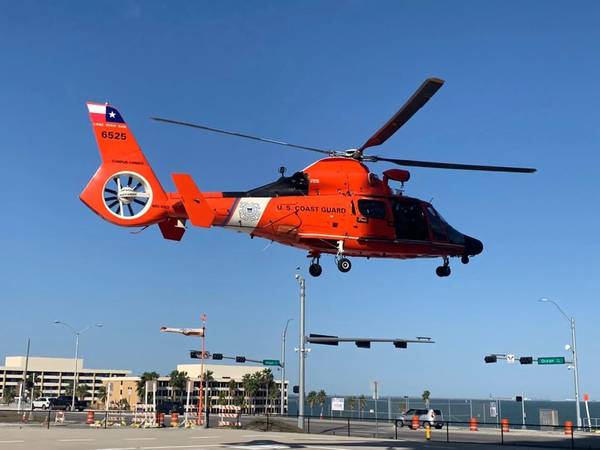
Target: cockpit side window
(454, 236)
(437, 226)
(373, 209)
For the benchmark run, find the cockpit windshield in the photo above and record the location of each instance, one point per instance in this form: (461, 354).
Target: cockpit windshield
(454, 236)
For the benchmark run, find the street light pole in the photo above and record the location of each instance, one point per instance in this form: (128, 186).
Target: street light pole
(571, 321)
(76, 370)
(301, 354)
(283, 366)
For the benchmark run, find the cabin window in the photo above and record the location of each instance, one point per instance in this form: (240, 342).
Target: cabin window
(373, 209)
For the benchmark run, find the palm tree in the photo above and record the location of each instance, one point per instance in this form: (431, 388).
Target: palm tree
(268, 382)
(232, 387)
(251, 385)
(351, 403)
(82, 391)
(207, 379)
(102, 394)
(362, 403)
(8, 395)
(425, 396)
(222, 398)
(311, 399)
(177, 382)
(141, 384)
(321, 399)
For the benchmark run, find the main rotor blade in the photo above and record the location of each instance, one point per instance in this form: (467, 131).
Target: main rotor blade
(242, 135)
(442, 165)
(422, 95)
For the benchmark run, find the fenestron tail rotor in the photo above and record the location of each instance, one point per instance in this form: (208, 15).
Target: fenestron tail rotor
(421, 96)
(127, 195)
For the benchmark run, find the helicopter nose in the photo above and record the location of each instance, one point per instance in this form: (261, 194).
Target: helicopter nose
(473, 246)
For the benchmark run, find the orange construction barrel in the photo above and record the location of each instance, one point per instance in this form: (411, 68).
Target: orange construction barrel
(473, 424)
(504, 423)
(90, 418)
(415, 422)
(568, 427)
(174, 419)
(161, 419)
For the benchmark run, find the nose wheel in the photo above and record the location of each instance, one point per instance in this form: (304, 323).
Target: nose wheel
(444, 270)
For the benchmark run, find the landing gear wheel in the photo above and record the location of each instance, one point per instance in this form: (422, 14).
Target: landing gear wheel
(443, 271)
(315, 269)
(464, 259)
(344, 265)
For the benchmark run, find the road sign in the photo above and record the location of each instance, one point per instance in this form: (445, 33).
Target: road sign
(493, 409)
(551, 360)
(337, 404)
(271, 362)
(510, 359)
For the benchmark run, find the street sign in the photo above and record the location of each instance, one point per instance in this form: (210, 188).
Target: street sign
(551, 360)
(337, 404)
(271, 362)
(510, 359)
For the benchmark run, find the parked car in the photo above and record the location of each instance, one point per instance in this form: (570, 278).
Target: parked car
(64, 402)
(41, 403)
(431, 417)
(168, 407)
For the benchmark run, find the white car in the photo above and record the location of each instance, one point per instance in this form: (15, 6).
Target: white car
(41, 403)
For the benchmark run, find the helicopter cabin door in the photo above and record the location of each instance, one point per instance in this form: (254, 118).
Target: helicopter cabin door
(409, 220)
(373, 218)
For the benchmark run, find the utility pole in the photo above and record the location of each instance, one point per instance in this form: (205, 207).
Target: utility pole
(301, 354)
(76, 371)
(24, 381)
(282, 408)
(573, 348)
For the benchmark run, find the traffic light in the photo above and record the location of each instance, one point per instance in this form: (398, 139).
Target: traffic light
(240, 359)
(400, 344)
(491, 359)
(195, 354)
(217, 356)
(296, 389)
(519, 398)
(333, 340)
(363, 344)
(526, 360)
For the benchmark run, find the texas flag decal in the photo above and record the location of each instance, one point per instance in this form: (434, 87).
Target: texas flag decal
(104, 113)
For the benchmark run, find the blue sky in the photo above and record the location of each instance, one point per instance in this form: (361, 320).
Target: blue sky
(521, 88)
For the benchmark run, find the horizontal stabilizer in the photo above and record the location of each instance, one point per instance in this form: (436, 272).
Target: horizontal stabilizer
(197, 208)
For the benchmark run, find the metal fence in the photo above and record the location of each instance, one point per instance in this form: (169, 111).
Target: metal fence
(509, 434)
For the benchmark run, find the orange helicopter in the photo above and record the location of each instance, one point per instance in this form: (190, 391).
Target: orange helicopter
(335, 206)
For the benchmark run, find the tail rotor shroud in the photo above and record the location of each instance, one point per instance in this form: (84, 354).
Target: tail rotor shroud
(127, 195)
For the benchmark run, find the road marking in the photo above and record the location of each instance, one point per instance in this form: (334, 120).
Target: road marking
(326, 448)
(140, 439)
(75, 440)
(178, 446)
(203, 437)
(11, 442)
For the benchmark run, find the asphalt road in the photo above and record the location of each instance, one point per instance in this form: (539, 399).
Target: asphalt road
(33, 438)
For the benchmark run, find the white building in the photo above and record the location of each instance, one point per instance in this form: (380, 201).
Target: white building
(219, 389)
(52, 376)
